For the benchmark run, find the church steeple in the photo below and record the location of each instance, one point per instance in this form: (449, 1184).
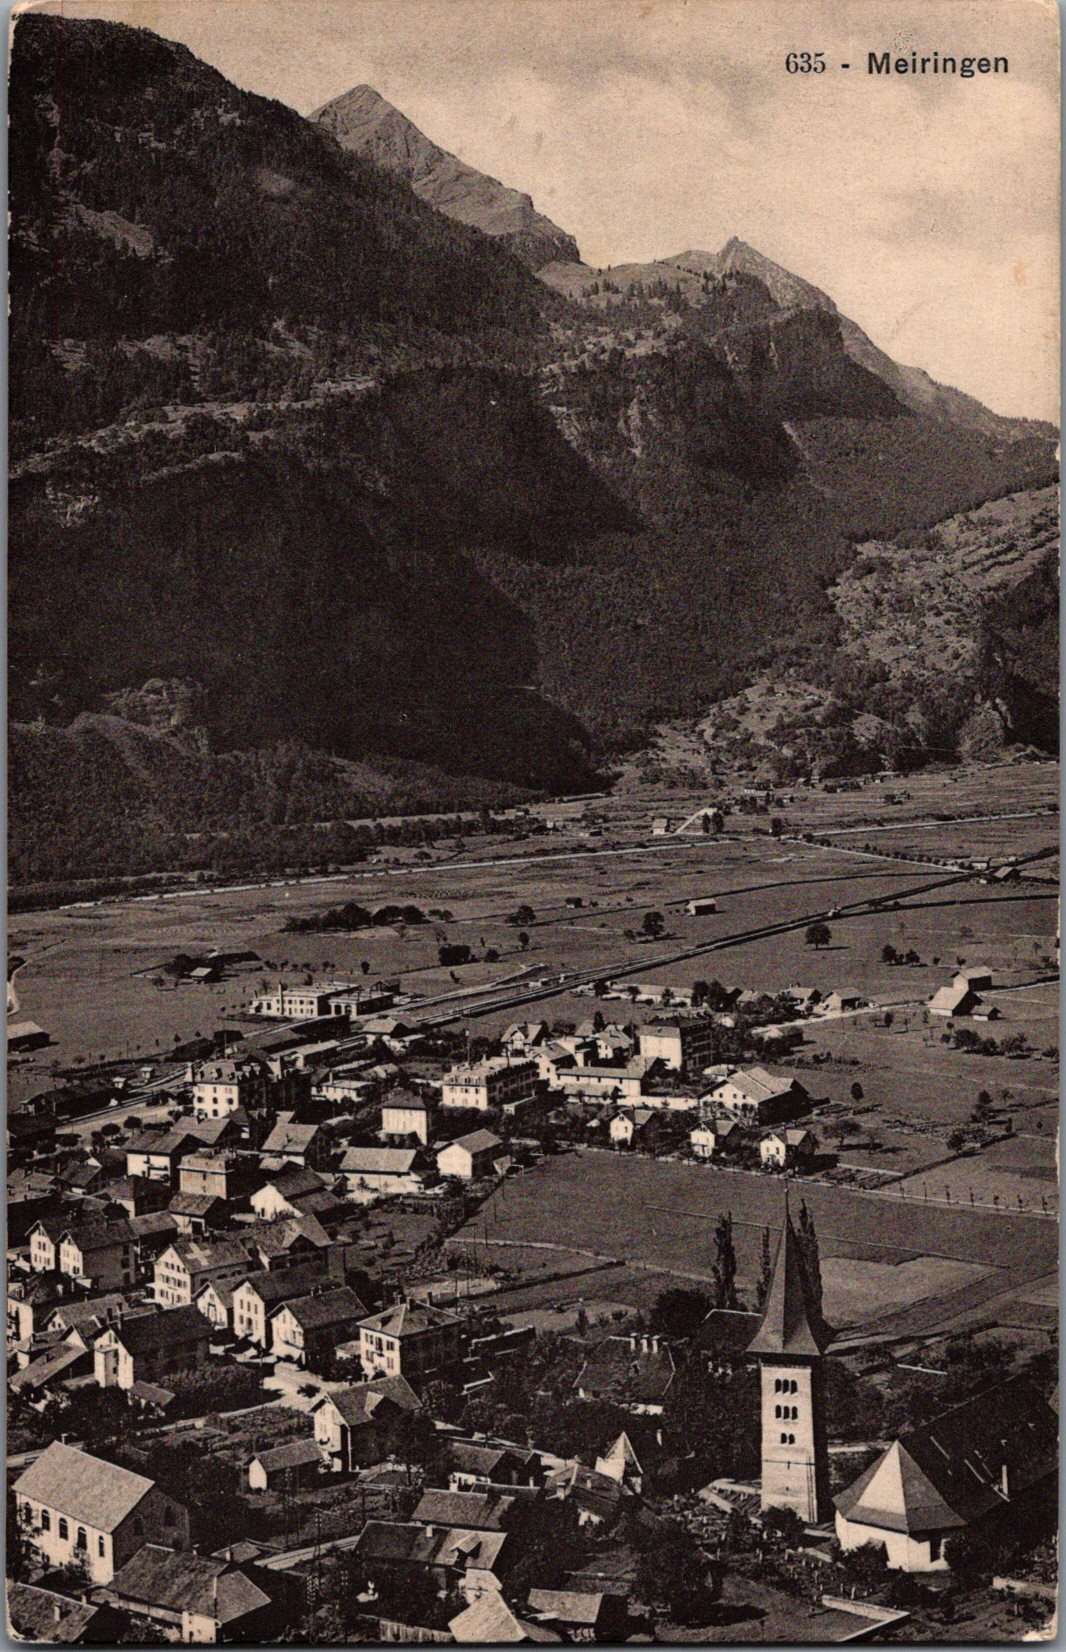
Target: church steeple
(792, 1323)
(789, 1345)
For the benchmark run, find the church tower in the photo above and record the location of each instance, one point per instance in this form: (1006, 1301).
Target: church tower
(790, 1344)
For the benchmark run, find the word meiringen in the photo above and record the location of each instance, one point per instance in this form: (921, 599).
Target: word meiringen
(965, 67)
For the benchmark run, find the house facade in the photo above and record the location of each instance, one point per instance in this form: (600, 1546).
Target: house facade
(496, 1082)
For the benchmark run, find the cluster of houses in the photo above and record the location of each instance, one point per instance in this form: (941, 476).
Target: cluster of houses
(474, 1523)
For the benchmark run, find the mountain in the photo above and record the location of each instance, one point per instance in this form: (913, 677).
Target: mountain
(364, 123)
(763, 292)
(286, 434)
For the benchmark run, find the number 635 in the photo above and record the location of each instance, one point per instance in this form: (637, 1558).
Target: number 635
(805, 63)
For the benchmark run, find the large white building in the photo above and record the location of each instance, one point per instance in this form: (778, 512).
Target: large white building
(496, 1082)
(78, 1509)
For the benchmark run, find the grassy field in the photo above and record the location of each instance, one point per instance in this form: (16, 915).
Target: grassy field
(660, 1214)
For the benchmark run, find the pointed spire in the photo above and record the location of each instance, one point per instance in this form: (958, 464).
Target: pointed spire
(791, 1321)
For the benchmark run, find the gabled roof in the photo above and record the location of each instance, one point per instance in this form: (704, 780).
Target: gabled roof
(186, 1582)
(173, 1328)
(975, 1458)
(618, 1370)
(476, 1510)
(98, 1234)
(48, 1619)
(567, 1606)
(758, 1085)
(791, 1321)
(478, 1141)
(293, 1455)
(202, 1255)
(358, 1404)
(85, 1488)
(380, 1161)
(318, 1313)
(491, 1622)
(283, 1284)
(293, 1180)
(290, 1138)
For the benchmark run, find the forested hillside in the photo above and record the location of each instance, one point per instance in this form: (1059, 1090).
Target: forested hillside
(284, 432)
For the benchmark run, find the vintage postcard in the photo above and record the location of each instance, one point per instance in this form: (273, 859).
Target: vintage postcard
(532, 982)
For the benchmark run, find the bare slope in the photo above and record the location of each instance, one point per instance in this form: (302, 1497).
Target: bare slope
(363, 122)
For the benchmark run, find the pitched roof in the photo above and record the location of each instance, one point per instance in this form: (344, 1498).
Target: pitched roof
(616, 1369)
(759, 1085)
(98, 1234)
(293, 1455)
(44, 1617)
(359, 1403)
(202, 1255)
(318, 1313)
(566, 1605)
(477, 1510)
(491, 1622)
(186, 1582)
(290, 1138)
(87, 1489)
(173, 1328)
(283, 1284)
(379, 1161)
(478, 1141)
(975, 1458)
(791, 1321)
(293, 1180)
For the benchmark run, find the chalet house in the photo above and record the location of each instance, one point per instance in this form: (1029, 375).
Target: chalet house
(75, 1507)
(484, 1510)
(197, 1599)
(215, 1301)
(309, 1329)
(291, 1143)
(845, 999)
(382, 1172)
(137, 1195)
(405, 1118)
(992, 1461)
(786, 1148)
(100, 1253)
(351, 1424)
(471, 1157)
(635, 1372)
(30, 1301)
(978, 979)
(753, 1096)
(187, 1265)
(410, 1341)
(474, 1562)
(685, 1044)
(712, 1136)
(472, 1464)
(625, 1083)
(598, 1498)
(299, 1463)
(152, 1233)
(637, 1128)
(496, 1082)
(523, 1036)
(258, 1294)
(153, 1348)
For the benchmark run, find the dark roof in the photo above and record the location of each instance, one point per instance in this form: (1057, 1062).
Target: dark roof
(975, 1458)
(293, 1180)
(293, 1455)
(194, 1204)
(359, 1403)
(172, 1328)
(477, 1510)
(791, 1321)
(284, 1284)
(42, 1616)
(186, 1582)
(316, 1313)
(153, 1222)
(620, 1368)
(98, 1234)
(728, 1331)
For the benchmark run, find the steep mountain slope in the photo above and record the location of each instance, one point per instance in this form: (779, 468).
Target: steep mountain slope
(286, 433)
(364, 123)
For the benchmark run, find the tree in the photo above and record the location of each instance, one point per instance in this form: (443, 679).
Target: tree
(785, 1524)
(678, 1313)
(889, 955)
(522, 915)
(653, 925)
(676, 1576)
(725, 1263)
(818, 935)
(809, 1254)
(523, 939)
(856, 1091)
(766, 1271)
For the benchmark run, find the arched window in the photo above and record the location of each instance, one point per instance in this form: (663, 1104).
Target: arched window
(64, 1529)
(784, 1439)
(795, 1386)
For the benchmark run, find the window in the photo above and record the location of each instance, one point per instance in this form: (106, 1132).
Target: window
(784, 1439)
(777, 1411)
(81, 1542)
(46, 1521)
(64, 1529)
(101, 1547)
(936, 1546)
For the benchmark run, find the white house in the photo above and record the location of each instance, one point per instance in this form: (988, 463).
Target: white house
(380, 1172)
(496, 1082)
(75, 1508)
(470, 1157)
(755, 1096)
(787, 1147)
(404, 1115)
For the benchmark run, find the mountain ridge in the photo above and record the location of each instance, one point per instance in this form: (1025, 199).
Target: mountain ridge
(365, 123)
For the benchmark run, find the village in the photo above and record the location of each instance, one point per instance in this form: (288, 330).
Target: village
(473, 1290)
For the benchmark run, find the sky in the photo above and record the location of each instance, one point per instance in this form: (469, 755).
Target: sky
(926, 207)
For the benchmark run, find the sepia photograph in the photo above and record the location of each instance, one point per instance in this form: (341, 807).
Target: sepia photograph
(532, 822)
